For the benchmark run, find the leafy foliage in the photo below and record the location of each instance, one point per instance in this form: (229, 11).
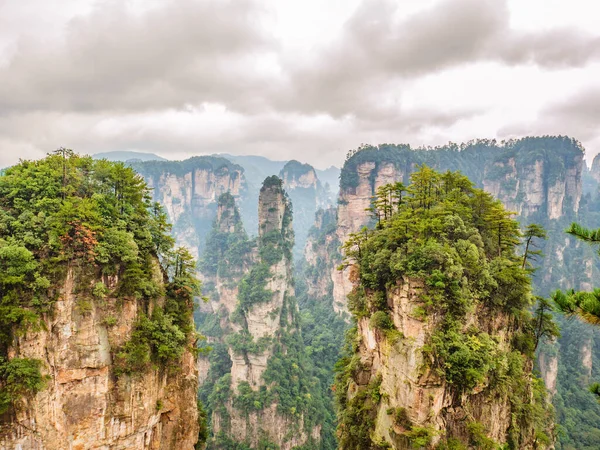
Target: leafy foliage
(468, 158)
(68, 212)
(289, 380)
(462, 244)
(20, 377)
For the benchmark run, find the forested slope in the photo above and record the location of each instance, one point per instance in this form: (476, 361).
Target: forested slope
(98, 345)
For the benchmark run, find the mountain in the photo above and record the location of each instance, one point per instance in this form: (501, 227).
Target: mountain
(330, 178)
(188, 191)
(442, 352)
(307, 194)
(538, 178)
(542, 180)
(97, 348)
(259, 387)
(276, 329)
(124, 156)
(257, 167)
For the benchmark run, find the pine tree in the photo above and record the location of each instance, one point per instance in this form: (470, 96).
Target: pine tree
(532, 231)
(586, 305)
(543, 322)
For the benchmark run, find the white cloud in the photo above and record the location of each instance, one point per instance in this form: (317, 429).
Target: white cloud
(286, 79)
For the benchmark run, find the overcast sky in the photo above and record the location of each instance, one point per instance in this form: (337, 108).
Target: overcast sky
(286, 79)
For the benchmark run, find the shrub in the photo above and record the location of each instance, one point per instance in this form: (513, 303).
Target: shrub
(381, 320)
(20, 377)
(100, 291)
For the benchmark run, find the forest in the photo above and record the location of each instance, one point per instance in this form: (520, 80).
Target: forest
(280, 364)
(72, 217)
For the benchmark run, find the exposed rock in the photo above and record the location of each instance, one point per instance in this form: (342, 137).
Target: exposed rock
(595, 169)
(549, 370)
(320, 254)
(85, 406)
(586, 356)
(301, 183)
(530, 176)
(408, 381)
(533, 187)
(263, 321)
(188, 190)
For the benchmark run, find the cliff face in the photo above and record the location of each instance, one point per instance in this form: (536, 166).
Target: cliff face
(259, 337)
(96, 349)
(539, 178)
(537, 185)
(595, 169)
(188, 191)
(307, 194)
(85, 406)
(436, 359)
(321, 254)
(352, 215)
(408, 383)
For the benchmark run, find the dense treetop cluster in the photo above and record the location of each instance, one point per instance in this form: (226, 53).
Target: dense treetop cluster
(68, 212)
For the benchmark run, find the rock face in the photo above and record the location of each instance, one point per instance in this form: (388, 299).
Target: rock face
(539, 178)
(437, 359)
(188, 190)
(84, 405)
(408, 384)
(595, 169)
(549, 371)
(321, 253)
(352, 215)
(301, 183)
(253, 297)
(536, 186)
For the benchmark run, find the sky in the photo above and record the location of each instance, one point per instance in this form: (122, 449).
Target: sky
(289, 79)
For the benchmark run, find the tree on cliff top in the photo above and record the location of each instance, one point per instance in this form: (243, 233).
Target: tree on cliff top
(462, 246)
(95, 218)
(585, 305)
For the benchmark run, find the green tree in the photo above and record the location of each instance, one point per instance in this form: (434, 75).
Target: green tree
(532, 231)
(586, 305)
(68, 213)
(543, 322)
(462, 244)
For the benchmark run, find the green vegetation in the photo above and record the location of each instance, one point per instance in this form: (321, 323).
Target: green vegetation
(322, 328)
(323, 335)
(155, 169)
(93, 218)
(192, 218)
(305, 201)
(469, 158)
(585, 305)
(225, 250)
(20, 377)
(462, 244)
(295, 169)
(289, 379)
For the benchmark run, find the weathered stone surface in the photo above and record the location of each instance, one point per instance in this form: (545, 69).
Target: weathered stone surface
(85, 406)
(549, 371)
(190, 199)
(260, 320)
(525, 188)
(408, 382)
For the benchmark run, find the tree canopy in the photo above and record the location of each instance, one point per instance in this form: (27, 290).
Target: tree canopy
(94, 217)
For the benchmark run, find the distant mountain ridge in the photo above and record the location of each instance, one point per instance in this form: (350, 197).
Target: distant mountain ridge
(257, 166)
(128, 156)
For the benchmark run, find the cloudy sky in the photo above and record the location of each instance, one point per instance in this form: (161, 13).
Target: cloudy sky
(306, 79)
